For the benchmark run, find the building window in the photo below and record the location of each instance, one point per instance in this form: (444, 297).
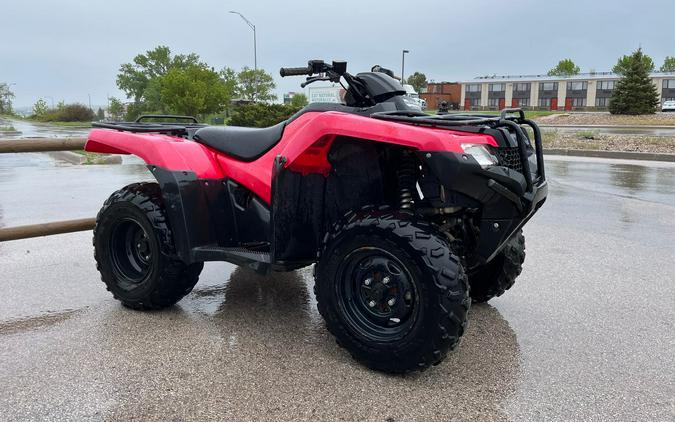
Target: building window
(548, 86)
(606, 85)
(473, 88)
(475, 102)
(545, 102)
(578, 102)
(602, 102)
(669, 84)
(521, 87)
(493, 102)
(577, 86)
(496, 87)
(522, 102)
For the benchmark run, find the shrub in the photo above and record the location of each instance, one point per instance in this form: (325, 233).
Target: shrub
(68, 113)
(261, 115)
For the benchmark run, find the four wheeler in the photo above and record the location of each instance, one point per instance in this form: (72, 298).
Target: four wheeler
(407, 216)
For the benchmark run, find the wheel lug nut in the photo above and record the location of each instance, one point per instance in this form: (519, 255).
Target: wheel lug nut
(138, 245)
(372, 303)
(385, 280)
(391, 301)
(367, 281)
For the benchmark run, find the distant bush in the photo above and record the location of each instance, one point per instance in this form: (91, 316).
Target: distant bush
(261, 115)
(68, 113)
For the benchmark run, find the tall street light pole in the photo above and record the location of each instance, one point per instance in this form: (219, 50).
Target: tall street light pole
(403, 64)
(255, 48)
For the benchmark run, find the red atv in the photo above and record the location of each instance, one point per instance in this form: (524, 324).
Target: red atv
(407, 216)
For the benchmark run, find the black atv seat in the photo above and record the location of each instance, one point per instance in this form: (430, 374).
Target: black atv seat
(244, 143)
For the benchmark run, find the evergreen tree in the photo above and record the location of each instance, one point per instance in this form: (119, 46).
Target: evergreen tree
(635, 93)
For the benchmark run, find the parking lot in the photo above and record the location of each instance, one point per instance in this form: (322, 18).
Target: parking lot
(587, 332)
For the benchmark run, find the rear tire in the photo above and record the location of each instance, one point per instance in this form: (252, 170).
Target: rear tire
(391, 291)
(135, 253)
(499, 275)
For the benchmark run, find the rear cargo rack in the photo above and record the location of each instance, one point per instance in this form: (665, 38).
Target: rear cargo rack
(139, 126)
(510, 119)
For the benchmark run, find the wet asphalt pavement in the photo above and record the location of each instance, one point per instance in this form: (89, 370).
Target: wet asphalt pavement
(587, 333)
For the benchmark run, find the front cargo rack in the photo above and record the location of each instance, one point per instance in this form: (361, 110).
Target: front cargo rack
(142, 125)
(510, 120)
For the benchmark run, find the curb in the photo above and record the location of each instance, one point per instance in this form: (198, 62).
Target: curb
(648, 127)
(74, 158)
(623, 155)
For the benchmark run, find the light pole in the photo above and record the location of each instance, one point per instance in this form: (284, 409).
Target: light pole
(255, 54)
(403, 64)
(255, 50)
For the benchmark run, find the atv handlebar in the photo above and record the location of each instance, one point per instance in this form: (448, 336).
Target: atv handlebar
(295, 71)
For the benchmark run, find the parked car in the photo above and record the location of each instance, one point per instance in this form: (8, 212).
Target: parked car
(668, 105)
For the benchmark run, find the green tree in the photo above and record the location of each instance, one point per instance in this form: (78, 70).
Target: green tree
(6, 96)
(565, 67)
(624, 63)
(115, 109)
(635, 93)
(299, 100)
(133, 78)
(100, 115)
(668, 64)
(418, 81)
(194, 90)
(40, 108)
(255, 85)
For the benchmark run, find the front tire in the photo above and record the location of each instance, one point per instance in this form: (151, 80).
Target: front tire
(499, 275)
(391, 291)
(135, 253)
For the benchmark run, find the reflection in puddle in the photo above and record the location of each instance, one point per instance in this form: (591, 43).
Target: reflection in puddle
(628, 176)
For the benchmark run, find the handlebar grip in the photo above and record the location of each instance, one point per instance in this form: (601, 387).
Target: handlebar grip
(295, 71)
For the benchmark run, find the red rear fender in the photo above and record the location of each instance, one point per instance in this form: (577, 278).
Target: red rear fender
(164, 151)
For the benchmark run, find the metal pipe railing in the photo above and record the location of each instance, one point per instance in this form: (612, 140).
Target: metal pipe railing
(46, 229)
(9, 146)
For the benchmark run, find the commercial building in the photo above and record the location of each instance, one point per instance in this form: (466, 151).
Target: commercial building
(438, 92)
(585, 91)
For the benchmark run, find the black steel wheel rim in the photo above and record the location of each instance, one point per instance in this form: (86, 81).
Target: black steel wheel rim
(130, 252)
(377, 294)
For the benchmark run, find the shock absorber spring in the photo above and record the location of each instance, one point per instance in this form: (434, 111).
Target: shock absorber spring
(406, 174)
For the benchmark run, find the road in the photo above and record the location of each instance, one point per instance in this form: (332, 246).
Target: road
(587, 332)
(26, 129)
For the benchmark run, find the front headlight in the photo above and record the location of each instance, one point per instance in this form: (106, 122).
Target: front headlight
(481, 154)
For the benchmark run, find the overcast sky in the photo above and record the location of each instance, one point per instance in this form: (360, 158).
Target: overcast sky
(68, 49)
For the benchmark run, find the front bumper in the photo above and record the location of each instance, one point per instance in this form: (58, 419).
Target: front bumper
(503, 195)
(507, 197)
